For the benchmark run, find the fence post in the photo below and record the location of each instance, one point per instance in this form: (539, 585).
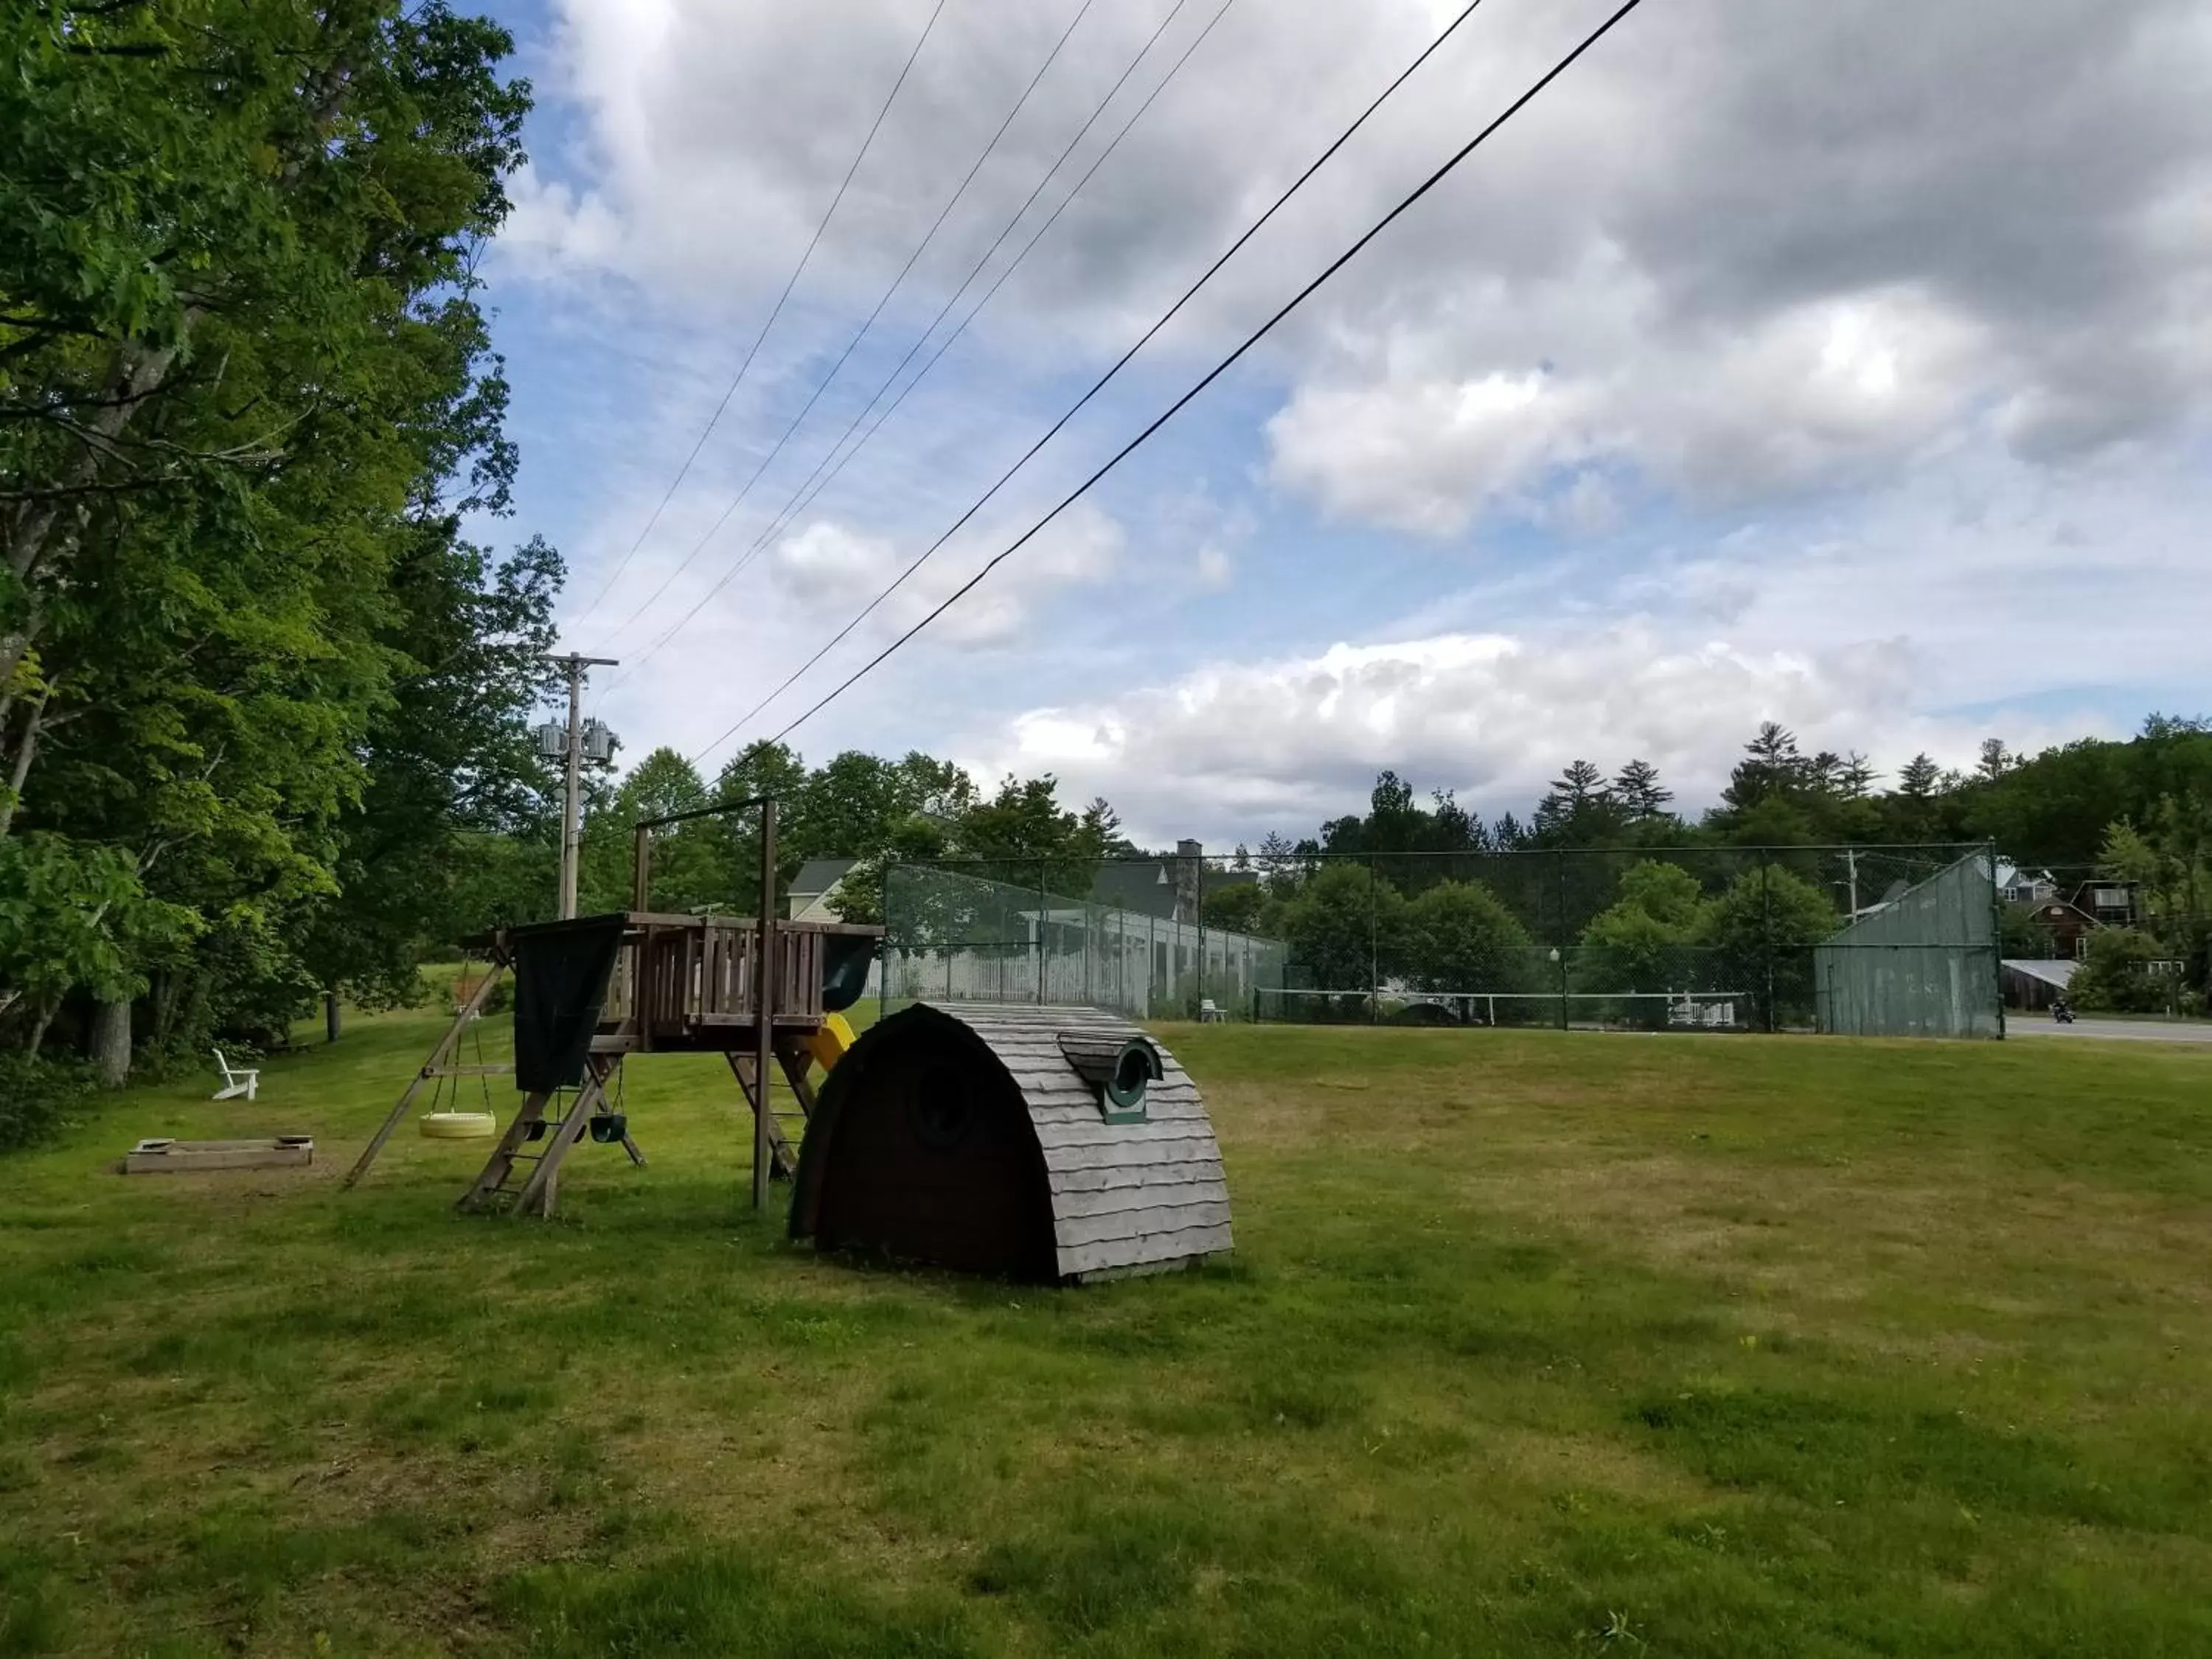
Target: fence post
(1767, 937)
(1559, 930)
(1040, 934)
(1374, 946)
(1997, 937)
(883, 981)
(1198, 906)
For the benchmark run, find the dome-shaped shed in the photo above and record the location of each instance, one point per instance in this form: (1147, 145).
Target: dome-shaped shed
(1042, 1143)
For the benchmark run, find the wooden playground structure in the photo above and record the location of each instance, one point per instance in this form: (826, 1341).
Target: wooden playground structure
(592, 991)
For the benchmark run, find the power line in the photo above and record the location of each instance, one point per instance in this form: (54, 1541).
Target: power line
(808, 491)
(999, 241)
(1206, 277)
(776, 311)
(852, 344)
(1216, 372)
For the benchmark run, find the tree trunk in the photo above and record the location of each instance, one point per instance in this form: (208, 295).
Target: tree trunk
(39, 1027)
(111, 1042)
(19, 768)
(332, 1020)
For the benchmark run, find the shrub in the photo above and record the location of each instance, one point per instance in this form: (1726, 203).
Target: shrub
(2116, 974)
(39, 1098)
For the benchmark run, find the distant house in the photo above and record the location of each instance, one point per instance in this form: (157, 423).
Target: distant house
(2036, 983)
(2067, 926)
(1172, 889)
(808, 896)
(2112, 902)
(2068, 920)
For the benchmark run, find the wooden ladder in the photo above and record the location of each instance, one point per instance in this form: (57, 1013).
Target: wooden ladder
(539, 1170)
(794, 1060)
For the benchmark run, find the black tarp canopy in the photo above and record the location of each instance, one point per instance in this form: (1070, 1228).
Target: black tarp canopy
(560, 973)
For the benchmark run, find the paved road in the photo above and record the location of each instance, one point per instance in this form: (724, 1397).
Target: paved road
(2128, 1030)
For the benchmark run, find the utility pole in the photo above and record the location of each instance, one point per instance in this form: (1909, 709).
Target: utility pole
(572, 825)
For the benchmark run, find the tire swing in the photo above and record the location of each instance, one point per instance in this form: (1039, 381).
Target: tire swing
(448, 1121)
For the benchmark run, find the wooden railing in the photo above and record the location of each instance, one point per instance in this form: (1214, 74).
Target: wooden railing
(684, 980)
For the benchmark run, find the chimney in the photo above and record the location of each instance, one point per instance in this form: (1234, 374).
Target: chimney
(1189, 863)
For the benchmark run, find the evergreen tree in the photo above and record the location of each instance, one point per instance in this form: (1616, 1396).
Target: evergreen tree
(1636, 786)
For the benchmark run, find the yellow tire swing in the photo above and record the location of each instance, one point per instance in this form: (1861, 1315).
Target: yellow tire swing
(449, 1122)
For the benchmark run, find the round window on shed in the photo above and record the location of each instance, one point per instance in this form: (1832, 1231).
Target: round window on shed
(1119, 1067)
(1133, 1068)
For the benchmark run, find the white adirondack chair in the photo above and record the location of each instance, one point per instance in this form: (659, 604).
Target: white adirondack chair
(236, 1080)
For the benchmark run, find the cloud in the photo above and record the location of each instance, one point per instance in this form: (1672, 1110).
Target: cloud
(1746, 245)
(1235, 749)
(831, 570)
(1816, 396)
(1774, 348)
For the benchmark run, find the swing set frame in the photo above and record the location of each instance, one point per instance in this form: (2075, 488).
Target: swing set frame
(681, 983)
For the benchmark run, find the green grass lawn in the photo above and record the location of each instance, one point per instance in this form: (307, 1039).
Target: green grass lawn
(1534, 1343)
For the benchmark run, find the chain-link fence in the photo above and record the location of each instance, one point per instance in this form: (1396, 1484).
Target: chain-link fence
(1871, 940)
(958, 935)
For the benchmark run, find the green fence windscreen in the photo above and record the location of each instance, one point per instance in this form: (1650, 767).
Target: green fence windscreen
(1924, 963)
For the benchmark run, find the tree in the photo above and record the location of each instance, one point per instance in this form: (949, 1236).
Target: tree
(1032, 840)
(1636, 788)
(448, 767)
(1762, 930)
(2168, 862)
(1580, 810)
(246, 398)
(1456, 936)
(1343, 928)
(2121, 973)
(1281, 868)
(1238, 907)
(1647, 938)
(861, 896)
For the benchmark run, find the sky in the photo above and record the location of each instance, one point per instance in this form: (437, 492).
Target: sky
(1841, 366)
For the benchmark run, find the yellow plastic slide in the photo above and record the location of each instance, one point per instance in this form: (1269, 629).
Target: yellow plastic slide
(828, 1044)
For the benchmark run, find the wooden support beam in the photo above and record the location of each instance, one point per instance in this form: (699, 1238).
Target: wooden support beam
(764, 1012)
(796, 1060)
(439, 1056)
(542, 1191)
(502, 1156)
(781, 1160)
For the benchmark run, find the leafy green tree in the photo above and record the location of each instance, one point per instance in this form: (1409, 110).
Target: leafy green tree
(1779, 796)
(1456, 936)
(1238, 907)
(2120, 972)
(1648, 939)
(1027, 837)
(245, 396)
(861, 896)
(1343, 928)
(1762, 930)
(448, 767)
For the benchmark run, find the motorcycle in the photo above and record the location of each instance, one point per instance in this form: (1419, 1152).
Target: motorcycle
(2061, 1013)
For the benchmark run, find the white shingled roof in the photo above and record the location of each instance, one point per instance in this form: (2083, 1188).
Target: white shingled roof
(1126, 1197)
